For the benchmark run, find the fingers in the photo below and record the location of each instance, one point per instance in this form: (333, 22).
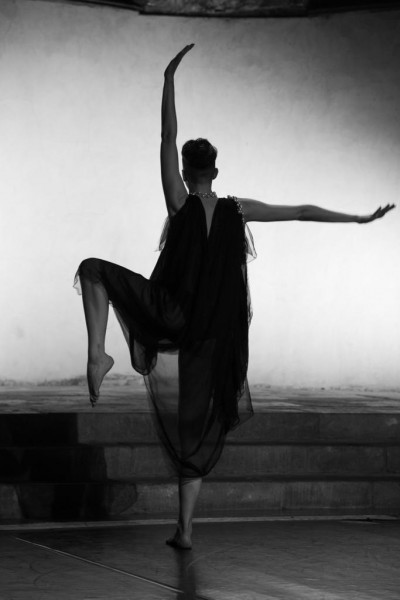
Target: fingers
(182, 53)
(381, 212)
(174, 64)
(389, 207)
(186, 49)
(386, 209)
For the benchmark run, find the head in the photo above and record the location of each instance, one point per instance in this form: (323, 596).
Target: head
(198, 160)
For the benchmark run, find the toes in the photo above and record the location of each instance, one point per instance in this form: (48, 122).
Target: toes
(96, 372)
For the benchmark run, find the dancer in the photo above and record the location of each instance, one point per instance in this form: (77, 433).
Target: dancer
(187, 326)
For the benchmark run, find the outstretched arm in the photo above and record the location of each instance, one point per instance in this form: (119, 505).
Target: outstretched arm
(253, 210)
(174, 189)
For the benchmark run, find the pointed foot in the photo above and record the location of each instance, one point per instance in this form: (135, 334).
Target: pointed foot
(96, 371)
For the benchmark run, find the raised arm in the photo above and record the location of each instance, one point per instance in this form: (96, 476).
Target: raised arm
(174, 189)
(254, 210)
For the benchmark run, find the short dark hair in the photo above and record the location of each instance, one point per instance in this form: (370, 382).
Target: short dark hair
(199, 155)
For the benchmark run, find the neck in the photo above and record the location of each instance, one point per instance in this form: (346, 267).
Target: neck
(203, 188)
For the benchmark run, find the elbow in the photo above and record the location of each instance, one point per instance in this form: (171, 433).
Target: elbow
(167, 137)
(304, 212)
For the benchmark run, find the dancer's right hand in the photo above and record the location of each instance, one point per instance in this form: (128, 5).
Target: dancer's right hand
(174, 64)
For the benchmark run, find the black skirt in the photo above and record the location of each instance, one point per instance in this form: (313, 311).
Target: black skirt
(187, 330)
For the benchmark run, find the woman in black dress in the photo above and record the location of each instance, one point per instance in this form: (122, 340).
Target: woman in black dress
(187, 326)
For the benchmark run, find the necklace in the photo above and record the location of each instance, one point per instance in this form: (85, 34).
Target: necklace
(205, 194)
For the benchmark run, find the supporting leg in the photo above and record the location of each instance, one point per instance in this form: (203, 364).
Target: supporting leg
(95, 304)
(189, 489)
(188, 493)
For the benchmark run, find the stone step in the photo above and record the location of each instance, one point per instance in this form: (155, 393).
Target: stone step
(73, 466)
(55, 502)
(60, 429)
(93, 463)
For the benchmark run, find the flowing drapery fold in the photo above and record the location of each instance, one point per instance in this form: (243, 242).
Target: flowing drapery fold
(187, 329)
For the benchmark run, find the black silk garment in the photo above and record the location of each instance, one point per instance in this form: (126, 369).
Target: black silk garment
(187, 329)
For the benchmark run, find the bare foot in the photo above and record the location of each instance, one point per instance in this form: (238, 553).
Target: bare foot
(96, 370)
(180, 540)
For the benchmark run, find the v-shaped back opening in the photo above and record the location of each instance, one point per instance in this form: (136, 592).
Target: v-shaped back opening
(211, 218)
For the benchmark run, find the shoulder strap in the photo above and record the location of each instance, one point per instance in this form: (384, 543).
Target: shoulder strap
(238, 206)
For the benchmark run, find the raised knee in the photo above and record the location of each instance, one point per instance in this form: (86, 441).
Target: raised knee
(88, 262)
(90, 268)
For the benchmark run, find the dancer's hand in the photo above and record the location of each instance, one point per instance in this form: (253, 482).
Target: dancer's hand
(174, 64)
(378, 214)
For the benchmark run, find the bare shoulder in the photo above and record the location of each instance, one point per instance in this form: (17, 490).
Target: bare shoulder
(250, 208)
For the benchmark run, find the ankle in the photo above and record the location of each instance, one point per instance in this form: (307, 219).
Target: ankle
(96, 354)
(185, 528)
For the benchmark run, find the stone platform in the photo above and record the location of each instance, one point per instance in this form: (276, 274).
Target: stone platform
(305, 452)
(128, 397)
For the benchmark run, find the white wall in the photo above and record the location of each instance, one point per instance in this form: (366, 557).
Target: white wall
(302, 111)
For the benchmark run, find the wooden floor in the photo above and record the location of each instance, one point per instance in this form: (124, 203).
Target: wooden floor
(263, 560)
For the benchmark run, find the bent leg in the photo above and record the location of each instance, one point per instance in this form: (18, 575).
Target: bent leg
(95, 304)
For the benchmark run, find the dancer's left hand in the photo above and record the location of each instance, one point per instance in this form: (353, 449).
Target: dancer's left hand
(174, 64)
(378, 214)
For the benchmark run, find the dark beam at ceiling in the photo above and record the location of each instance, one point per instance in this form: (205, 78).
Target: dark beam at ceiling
(238, 9)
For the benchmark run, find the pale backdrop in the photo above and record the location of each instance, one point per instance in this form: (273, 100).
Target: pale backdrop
(301, 110)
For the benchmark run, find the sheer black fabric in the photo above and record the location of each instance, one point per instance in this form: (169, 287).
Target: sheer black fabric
(187, 329)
